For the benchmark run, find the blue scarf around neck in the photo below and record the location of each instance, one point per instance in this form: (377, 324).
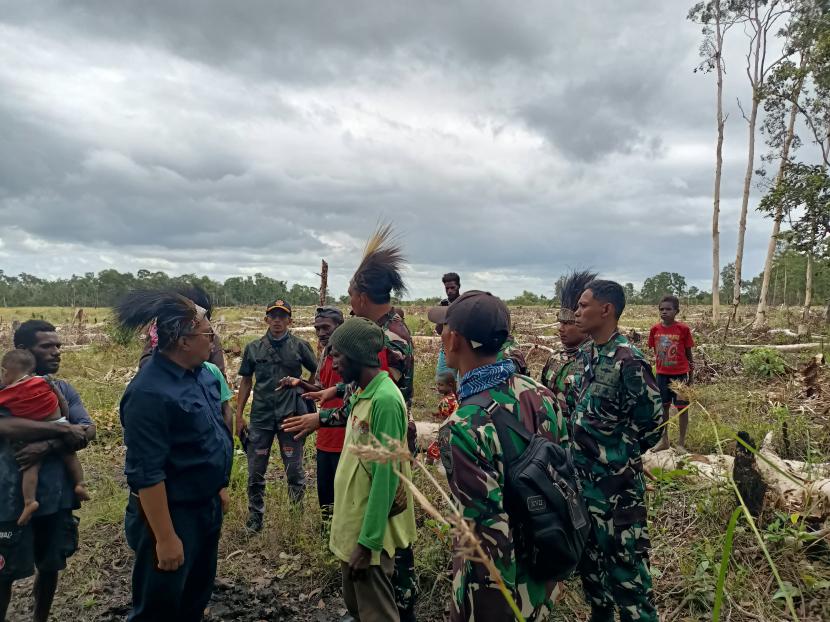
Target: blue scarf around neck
(483, 378)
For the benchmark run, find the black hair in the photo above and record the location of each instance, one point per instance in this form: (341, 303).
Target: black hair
(26, 334)
(19, 359)
(672, 299)
(572, 287)
(379, 272)
(608, 291)
(175, 314)
(446, 377)
(199, 296)
(449, 277)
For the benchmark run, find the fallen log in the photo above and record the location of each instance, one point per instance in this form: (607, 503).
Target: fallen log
(795, 490)
(711, 467)
(790, 347)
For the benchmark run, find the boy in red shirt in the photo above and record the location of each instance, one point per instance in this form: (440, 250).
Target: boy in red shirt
(34, 398)
(672, 344)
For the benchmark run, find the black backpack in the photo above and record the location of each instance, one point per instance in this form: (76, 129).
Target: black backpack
(543, 498)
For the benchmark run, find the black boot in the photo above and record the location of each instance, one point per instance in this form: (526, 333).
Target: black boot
(254, 523)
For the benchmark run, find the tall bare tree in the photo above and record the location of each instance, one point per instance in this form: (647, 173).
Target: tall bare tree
(716, 21)
(759, 18)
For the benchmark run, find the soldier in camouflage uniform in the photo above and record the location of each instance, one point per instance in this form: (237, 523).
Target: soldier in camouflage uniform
(616, 420)
(562, 372)
(474, 329)
(370, 289)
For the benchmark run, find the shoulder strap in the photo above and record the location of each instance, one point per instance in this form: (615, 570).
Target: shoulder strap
(503, 420)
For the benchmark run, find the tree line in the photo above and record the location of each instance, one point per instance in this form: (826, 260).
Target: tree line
(106, 287)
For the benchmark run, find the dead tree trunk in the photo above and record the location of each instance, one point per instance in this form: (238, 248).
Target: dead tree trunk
(718, 168)
(804, 325)
(324, 283)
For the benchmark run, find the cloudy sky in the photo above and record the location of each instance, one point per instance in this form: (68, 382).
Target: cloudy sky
(507, 141)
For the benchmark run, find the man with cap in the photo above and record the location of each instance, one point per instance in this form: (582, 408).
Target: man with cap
(367, 528)
(616, 420)
(329, 439)
(475, 328)
(277, 354)
(562, 372)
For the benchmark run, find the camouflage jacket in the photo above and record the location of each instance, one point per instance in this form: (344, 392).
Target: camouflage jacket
(397, 357)
(511, 350)
(562, 374)
(616, 420)
(472, 455)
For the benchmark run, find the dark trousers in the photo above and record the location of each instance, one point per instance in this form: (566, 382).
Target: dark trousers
(260, 441)
(179, 596)
(327, 462)
(371, 597)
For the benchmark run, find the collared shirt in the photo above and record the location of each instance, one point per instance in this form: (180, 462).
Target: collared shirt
(55, 490)
(269, 362)
(174, 431)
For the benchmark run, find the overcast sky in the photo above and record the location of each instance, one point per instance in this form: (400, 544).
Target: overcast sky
(506, 141)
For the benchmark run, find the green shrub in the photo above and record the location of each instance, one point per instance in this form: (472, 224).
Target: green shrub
(764, 363)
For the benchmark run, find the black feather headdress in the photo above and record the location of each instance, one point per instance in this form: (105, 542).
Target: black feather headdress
(572, 287)
(175, 314)
(379, 272)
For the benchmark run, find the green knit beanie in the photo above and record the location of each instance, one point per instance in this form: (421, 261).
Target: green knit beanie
(360, 340)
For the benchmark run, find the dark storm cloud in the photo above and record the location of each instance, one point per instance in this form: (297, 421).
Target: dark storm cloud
(507, 141)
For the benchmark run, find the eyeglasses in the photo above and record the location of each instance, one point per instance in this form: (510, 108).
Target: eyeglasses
(211, 334)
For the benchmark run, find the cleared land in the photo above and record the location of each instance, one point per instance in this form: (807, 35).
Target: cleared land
(286, 573)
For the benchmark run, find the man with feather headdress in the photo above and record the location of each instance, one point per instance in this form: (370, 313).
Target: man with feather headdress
(370, 291)
(561, 374)
(178, 460)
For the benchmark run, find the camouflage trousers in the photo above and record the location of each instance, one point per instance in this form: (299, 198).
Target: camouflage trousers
(405, 584)
(615, 571)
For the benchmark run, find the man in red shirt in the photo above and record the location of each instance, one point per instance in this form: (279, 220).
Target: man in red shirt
(672, 344)
(329, 440)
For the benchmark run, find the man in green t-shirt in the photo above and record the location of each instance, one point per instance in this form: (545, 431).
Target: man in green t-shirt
(276, 355)
(366, 529)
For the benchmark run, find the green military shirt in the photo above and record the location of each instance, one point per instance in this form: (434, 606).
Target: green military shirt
(616, 420)
(268, 362)
(562, 374)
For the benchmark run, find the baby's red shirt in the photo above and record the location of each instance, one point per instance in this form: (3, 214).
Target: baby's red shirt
(32, 399)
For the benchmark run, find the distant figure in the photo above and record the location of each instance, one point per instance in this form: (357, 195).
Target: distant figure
(672, 343)
(35, 398)
(452, 287)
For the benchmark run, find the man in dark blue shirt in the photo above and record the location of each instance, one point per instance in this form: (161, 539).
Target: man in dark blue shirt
(52, 535)
(178, 461)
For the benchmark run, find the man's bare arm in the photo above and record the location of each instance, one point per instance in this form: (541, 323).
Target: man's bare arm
(25, 431)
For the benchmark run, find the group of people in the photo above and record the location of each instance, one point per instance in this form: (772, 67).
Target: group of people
(598, 398)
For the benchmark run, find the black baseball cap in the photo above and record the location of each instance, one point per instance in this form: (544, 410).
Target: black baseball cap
(279, 305)
(479, 316)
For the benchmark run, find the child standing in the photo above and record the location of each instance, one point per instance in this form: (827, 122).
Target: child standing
(672, 344)
(445, 385)
(35, 398)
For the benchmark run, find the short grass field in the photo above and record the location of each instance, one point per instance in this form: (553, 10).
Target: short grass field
(286, 572)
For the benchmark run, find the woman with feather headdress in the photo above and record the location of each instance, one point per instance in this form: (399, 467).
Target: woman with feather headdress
(561, 372)
(178, 459)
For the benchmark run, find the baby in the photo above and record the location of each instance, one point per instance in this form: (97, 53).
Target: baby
(36, 399)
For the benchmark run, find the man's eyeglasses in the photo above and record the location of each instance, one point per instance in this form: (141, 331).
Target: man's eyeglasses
(210, 334)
